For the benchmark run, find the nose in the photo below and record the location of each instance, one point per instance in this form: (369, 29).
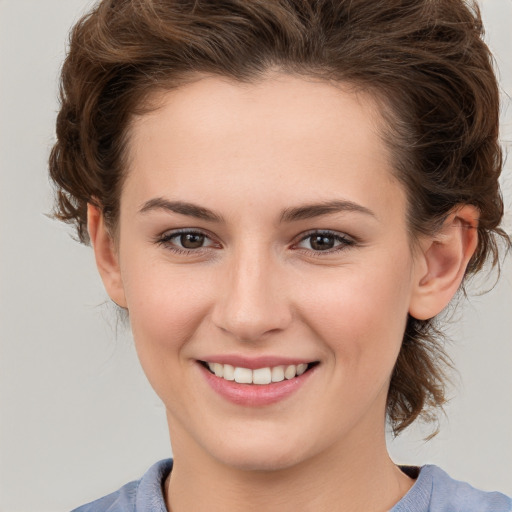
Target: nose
(252, 298)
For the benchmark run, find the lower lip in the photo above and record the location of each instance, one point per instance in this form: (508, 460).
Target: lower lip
(254, 395)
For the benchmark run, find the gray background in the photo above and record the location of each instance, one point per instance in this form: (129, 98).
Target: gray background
(77, 416)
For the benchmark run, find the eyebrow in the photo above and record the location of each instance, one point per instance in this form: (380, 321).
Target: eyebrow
(310, 211)
(181, 207)
(303, 212)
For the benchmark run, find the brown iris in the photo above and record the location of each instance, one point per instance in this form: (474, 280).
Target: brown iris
(322, 242)
(192, 240)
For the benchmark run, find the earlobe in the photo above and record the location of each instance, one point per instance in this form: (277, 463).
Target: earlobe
(106, 256)
(442, 262)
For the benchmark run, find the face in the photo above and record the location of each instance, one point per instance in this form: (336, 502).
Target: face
(263, 237)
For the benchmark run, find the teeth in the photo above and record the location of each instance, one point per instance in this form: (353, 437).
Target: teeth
(290, 372)
(243, 375)
(218, 369)
(258, 376)
(262, 376)
(301, 368)
(229, 372)
(277, 373)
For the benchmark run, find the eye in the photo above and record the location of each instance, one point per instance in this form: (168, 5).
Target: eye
(191, 240)
(185, 240)
(325, 241)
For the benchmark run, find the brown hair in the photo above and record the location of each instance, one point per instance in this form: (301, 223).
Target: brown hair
(425, 59)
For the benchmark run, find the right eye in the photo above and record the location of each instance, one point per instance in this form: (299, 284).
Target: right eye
(185, 241)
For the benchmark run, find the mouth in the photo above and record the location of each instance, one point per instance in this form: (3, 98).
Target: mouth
(258, 376)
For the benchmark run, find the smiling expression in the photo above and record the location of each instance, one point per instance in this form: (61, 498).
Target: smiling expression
(262, 232)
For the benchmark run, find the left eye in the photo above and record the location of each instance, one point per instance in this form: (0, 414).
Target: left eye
(324, 241)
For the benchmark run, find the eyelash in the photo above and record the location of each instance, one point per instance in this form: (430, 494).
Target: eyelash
(344, 242)
(166, 240)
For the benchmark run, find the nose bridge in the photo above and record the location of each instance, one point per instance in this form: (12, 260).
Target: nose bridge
(252, 301)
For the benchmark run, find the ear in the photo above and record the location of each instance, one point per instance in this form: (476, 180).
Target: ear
(441, 262)
(106, 255)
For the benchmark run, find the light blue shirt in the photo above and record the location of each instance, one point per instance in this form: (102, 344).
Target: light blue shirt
(433, 491)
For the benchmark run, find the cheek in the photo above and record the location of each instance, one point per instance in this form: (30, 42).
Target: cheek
(360, 312)
(166, 307)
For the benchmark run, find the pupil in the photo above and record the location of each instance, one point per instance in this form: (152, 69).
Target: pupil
(322, 242)
(192, 240)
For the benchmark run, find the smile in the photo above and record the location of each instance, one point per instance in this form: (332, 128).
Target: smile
(258, 376)
(264, 383)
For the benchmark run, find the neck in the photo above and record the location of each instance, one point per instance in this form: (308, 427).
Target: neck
(355, 477)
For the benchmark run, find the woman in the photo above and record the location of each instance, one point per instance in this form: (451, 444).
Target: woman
(283, 196)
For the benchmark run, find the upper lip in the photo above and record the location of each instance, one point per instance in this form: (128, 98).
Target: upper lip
(254, 363)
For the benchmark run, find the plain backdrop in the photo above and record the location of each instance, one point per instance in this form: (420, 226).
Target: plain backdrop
(77, 417)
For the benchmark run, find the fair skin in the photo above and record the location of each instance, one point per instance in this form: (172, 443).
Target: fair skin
(261, 226)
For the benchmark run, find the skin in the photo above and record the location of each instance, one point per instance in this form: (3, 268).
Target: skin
(249, 154)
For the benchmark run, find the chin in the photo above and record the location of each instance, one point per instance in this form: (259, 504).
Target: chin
(261, 462)
(260, 454)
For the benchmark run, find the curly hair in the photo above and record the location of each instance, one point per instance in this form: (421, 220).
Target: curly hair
(424, 60)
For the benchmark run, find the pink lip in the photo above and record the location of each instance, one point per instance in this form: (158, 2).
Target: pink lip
(254, 362)
(254, 395)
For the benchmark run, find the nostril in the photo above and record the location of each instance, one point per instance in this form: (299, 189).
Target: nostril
(251, 309)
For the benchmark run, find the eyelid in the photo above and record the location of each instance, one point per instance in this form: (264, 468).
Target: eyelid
(344, 239)
(167, 237)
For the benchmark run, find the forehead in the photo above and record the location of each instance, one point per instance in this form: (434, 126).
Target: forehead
(215, 132)
(283, 105)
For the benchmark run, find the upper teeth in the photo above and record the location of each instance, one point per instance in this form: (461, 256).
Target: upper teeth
(259, 375)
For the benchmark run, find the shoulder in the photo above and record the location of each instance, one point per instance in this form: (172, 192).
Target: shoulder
(137, 496)
(435, 491)
(122, 499)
